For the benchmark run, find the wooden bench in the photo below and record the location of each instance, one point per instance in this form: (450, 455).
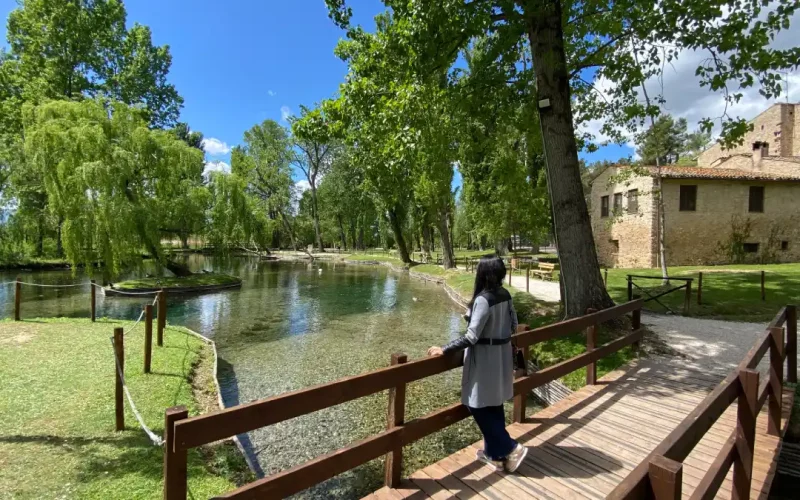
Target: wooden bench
(546, 271)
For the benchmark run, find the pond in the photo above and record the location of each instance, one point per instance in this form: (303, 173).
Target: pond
(293, 325)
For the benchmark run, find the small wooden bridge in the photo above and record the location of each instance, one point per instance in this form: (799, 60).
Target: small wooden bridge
(652, 431)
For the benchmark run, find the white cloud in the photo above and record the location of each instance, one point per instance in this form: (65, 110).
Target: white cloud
(301, 187)
(216, 166)
(286, 112)
(271, 93)
(215, 147)
(685, 98)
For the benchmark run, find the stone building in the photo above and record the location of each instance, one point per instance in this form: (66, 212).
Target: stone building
(750, 194)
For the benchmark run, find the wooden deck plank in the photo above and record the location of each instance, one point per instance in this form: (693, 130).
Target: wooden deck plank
(586, 444)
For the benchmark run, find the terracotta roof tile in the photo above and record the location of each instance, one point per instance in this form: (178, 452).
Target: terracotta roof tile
(675, 172)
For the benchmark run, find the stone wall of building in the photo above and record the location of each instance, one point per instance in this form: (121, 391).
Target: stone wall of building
(776, 126)
(695, 238)
(624, 239)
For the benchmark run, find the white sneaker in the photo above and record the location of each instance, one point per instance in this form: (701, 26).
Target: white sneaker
(496, 465)
(515, 458)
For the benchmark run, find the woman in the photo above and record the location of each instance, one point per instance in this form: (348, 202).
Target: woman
(486, 382)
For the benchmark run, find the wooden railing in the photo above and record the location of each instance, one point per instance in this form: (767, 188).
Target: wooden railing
(182, 433)
(659, 475)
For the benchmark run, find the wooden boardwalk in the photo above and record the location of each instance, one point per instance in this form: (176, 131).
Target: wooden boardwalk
(583, 446)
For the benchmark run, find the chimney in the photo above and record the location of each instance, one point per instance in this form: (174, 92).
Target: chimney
(760, 150)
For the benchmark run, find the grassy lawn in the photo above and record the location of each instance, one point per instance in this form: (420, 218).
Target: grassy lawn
(199, 279)
(57, 436)
(729, 292)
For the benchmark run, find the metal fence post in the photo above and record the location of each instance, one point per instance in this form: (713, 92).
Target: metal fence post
(119, 367)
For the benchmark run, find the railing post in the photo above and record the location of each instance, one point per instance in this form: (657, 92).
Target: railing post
(605, 277)
(636, 323)
(775, 381)
(395, 417)
(518, 414)
(591, 341)
(148, 336)
(175, 460)
(700, 288)
(666, 478)
(528, 278)
(687, 302)
(94, 298)
(162, 316)
(17, 298)
(630, 288)
(745, 435)
(119, 366)
(791, 344)
(763, 290)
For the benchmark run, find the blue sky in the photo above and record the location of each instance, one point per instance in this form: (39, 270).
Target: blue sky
(238, 63)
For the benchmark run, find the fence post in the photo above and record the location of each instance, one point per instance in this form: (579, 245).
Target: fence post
(775, 381)
(510, 269)
(518, 414)
(700, 288)
(630, 288)
(605, 276)
(687, 302)
(666, 478)
(745, 435)
(119, 367)
(528, 278)
(174, 459)
(791, 343)
(636, 323)
(17, 298)
(148, 336)
(763, 290)
(162, 316)
(94, 298)
(395, 417)
(591, 341)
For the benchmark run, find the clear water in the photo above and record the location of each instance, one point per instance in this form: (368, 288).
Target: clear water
(293, 325)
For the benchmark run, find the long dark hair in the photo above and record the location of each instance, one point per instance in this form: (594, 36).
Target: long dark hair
(489, 275)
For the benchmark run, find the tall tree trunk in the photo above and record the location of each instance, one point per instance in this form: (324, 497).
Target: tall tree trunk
(353, 242)
(341, 233)
(580, 270)
(315, 216)
(184, 240)
(289, 229)
(426, 242)
(59, 239)
(361, 235)
(40, 236)
(501, 247)
(397, 229)
(448, 257)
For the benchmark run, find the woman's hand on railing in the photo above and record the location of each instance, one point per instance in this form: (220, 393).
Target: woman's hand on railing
(435, 351)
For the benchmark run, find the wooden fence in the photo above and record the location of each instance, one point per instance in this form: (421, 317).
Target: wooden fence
(687, 286)
(659, 475)
(182, 433)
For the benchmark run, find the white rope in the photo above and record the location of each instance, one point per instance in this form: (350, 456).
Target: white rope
(51, 286)
(157, 441)
(155, 300)
(141, 315)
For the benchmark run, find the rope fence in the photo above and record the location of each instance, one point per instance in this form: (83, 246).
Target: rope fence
(117, 343)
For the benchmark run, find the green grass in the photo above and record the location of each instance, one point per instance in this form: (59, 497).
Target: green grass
(372, 257)
(729, 292)
(57, 437)
(199, 279)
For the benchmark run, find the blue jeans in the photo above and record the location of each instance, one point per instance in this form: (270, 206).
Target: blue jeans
(491, 420)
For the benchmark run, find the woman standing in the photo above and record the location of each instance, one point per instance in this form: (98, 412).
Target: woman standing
(487, 379)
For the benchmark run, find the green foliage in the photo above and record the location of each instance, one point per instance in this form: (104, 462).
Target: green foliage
(733, 247)
(114, 182)
(664, 141)
(191, 137)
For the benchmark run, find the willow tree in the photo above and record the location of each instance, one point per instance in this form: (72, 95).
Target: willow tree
(113, 180)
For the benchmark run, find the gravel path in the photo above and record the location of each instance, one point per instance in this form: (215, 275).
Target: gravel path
(547, 291)
(705, 344)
